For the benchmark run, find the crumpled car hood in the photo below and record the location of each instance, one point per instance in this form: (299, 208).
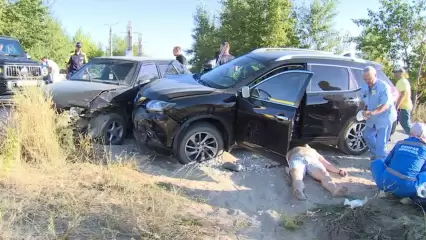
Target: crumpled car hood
(68, 93)
(166, 88)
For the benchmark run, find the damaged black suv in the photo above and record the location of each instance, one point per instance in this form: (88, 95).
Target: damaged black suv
(263, 101)
(100, 95)
(16, 69)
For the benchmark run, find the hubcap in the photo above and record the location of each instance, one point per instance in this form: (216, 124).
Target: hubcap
(354, 138)
(201, 146)
(115, 131)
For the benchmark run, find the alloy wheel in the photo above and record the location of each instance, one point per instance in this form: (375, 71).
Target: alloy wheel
(201, 146)
(354, 139)
(115, 131)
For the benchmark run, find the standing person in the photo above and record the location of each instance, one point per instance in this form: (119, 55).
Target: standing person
(404, 105)
(306, 159)
(380, 113)
(45, 64)
(76, 60)
(224, 55)
(177, 52)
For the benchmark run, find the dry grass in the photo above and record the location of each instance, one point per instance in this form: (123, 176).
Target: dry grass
(419, 114)
(378, 219)
(53, 189)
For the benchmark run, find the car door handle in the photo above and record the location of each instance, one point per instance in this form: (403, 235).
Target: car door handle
(281, 117)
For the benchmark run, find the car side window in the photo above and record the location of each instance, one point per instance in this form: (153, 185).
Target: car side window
(148, 72)
(329, 78)
(357, 74)
(168, 69)
(283, 88)
(276, 71)
(179, 68)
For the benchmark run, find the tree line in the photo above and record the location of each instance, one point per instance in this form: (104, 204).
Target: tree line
(41, 34)
(393, 35)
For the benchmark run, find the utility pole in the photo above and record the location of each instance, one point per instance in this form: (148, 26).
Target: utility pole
(110, 37)
(129, 33)
(140, 45)
(129, 51)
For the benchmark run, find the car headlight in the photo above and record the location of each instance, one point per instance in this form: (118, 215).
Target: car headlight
(101, 101)
(158, 106)
(44, 71)
(76, 111)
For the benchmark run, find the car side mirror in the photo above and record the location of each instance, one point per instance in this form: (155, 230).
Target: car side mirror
(245, 92)
(143, 81)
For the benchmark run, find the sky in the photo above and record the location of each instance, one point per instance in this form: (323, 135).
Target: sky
(165, 23)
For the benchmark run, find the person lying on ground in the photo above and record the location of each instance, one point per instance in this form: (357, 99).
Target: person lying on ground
(404, 169)
(306, 159)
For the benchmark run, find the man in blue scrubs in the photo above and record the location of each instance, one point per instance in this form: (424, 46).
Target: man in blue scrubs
(380, 113)
(404, 169)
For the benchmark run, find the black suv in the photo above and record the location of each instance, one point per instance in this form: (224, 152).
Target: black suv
(262, 101)
(16, 69)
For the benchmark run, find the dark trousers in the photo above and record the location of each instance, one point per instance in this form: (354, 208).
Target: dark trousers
(404, 118)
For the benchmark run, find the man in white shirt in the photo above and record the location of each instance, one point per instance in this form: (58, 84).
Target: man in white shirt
(53, 68)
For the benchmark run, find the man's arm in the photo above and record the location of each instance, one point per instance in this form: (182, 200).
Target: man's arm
(385, 99)
(330, 167)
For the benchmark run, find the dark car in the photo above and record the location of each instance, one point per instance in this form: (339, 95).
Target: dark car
(101, 93)
(16, 69)
(262, 101)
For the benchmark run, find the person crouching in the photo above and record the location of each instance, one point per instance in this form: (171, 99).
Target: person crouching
(306, 159)
(404, 169)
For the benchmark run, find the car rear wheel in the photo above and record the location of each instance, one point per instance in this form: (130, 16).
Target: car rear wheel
(114, 131)
(351, 141)
(200, 142)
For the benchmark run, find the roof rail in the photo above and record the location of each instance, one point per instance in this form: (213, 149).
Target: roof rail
(287, 57)
(290, 49)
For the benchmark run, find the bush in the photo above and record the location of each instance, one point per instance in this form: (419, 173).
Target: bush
(51, 191)
(419, 113)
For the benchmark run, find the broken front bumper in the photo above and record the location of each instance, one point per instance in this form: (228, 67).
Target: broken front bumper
(153, 130)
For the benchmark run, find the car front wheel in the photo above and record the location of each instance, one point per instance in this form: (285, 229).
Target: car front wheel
(351, 141)
(114, 131)
(200, 142)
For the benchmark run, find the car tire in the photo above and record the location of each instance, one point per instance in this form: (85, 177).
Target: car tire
(350, 138)
(115, 125)
(199, 131)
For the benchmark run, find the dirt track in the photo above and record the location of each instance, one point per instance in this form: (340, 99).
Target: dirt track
(263, 195)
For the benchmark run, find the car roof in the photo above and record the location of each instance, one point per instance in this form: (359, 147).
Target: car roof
(8, 38)
(282, 54)
(137, 58)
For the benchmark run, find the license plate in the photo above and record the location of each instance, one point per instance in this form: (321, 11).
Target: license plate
(23, 83)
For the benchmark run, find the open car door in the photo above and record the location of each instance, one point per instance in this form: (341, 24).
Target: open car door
(266, 113)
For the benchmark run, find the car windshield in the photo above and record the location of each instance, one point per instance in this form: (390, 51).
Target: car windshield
(9, 47)
(119, 72)
(232, 72)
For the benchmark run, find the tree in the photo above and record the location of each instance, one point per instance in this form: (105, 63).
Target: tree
(315, 26)
(251, 24)
(206, 40)
(393, 31)
(25, 20)
(119, 46)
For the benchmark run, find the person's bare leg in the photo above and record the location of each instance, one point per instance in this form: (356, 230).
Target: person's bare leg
(327, 182)
(297, 183)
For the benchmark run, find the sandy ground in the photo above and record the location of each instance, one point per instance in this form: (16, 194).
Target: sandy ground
(258, 194)
(262, 195)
